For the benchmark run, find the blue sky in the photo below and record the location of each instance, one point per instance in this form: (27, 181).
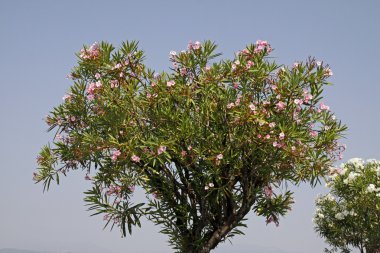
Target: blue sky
(38, 40)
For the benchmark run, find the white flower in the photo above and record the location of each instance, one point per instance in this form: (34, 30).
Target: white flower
(211, 185)
(320, 215)
(173, 53)
(371, 188)
(339, 216)
(373, 161)
(352, 175)
(356, 162)
(330, 197)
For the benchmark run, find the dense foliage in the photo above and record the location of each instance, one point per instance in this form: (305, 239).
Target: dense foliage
(208, 141)
(349, 216)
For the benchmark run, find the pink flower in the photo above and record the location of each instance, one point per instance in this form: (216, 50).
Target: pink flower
(273, 219)
(161, 150)
(148, 95)
(275, 144)
(170, 83)
(117, 66)
(92, 88)
(268, 191)
(272, 124)
(97, 75)
(189, 148)
(280, 106)
(298, 101)
(328, 72)
(267, 136)
(131, 188)
(183, 71)
(252, 107)
(219, 157)
(307, 97)
(324, 107)
(173, 54)
(261, 45)
(183, 153)
(295, 65)
(190, 45)
(66, 97)
(114, 83)
(313, 133)
(281, 136)
(293, 148)
(115, 155)
(98, 84)
(259, 136)
(135, 158)
(230, 105)
(197, 45)
(236, 86)
(91, 53)
(249, 64)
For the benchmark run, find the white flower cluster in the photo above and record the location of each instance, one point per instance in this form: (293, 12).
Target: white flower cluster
(372, 188)
(351, 177)
(343, 214)
(356, 167)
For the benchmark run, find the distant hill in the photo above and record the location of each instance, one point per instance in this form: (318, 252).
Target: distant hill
(245, 248)
(19, 251)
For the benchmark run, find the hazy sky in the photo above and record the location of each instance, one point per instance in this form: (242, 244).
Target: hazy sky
(38, 40)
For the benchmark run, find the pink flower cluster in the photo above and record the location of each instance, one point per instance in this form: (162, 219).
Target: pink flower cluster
(161, 150)
(261, 45)
(67, 97)
(268, 192)
(307, 96)
(170, 83)
(324, 107)
(92, 52)
(135, 158)
(280, 106)
(92, 88)
(328, 72)
(194, 46)
(115, 155)
(114, 83)
(113, 190)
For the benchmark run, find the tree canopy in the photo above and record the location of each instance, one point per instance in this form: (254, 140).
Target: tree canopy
(349, 216)
(209, 141)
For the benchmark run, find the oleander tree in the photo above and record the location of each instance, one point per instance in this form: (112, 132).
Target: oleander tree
(349, 216)
(208, 141)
